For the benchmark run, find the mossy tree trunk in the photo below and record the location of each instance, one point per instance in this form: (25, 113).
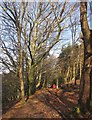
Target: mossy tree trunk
(20, 63)
(32, 80)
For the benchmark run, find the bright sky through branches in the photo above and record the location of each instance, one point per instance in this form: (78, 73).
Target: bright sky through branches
(45, 0)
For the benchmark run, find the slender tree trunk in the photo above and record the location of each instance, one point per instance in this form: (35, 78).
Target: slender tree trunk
(80, 59)
(27, 78)
(27, 66)
(80, 69)
(74, 74)
(45, 83)
(39, 80)
(20, 68)
(57, 83)
(85, 96)
(40, 83)
(67, 76)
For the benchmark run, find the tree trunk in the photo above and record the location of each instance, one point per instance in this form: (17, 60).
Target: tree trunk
(74, 74)
(85, 96)
(67, 77)
(32, 81)
(80, 69)
(40, 83)
(57, 83)
(45, 83)
(19, 30)
(27, 78)
(21, 74)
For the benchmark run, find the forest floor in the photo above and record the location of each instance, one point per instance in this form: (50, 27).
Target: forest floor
(46, 103)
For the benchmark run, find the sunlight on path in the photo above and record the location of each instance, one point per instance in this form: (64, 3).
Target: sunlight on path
(45, 103)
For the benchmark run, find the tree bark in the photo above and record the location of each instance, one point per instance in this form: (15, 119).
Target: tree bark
(85, 96)
(32, 80)
(20, 67)
(80, 61)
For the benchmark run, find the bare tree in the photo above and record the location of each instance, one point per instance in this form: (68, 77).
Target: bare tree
(14, 15)
(36, 29)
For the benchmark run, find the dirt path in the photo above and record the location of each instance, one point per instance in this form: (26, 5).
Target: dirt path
(45, 103)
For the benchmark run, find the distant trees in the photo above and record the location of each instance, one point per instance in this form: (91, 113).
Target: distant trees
(85, 96)
(10, 89)
(67, 59)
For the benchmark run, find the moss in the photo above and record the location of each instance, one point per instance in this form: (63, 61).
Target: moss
(32, 84)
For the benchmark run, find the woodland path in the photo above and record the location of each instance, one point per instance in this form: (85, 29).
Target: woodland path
(46, 103)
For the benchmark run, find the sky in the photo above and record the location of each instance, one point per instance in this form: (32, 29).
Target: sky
(57, 49)
(46, 0)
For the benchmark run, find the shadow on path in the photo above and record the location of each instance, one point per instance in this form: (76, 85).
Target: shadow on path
(46, 103)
